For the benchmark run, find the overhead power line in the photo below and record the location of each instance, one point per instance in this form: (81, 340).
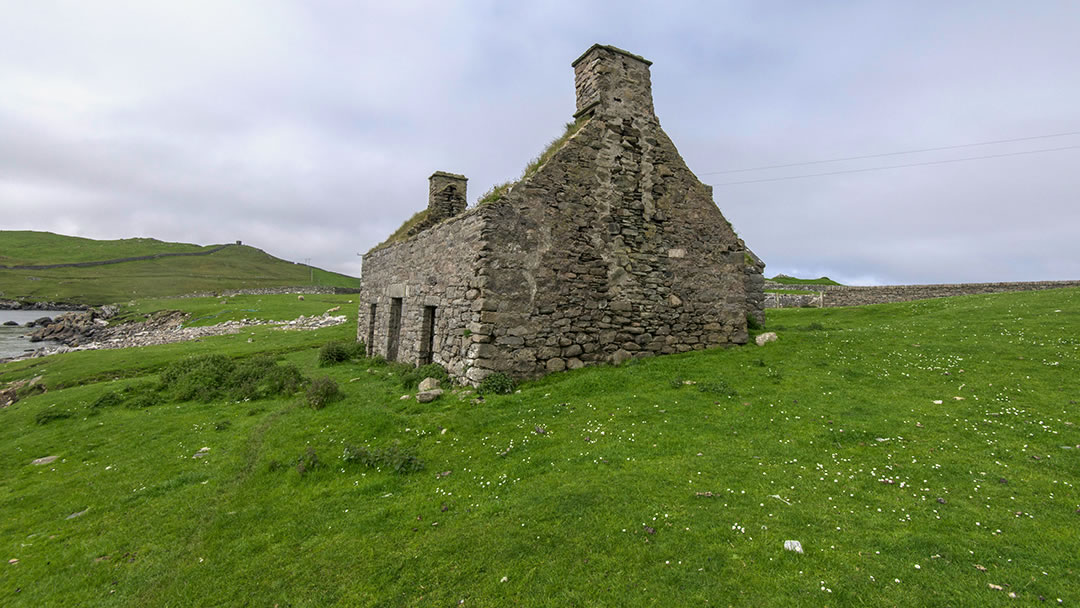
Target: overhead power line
(932, 162)
(899, 153)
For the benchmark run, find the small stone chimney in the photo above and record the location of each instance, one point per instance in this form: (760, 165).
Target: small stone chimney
(612, 81)
(446, 195)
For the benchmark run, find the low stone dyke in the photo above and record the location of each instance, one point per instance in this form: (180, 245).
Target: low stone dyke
(272, 291)
(137, 258)
(827, 296)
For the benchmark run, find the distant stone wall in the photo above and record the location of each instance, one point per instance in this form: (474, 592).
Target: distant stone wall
(842, 295)
(793, 300)
(137, 258)
(272, 291)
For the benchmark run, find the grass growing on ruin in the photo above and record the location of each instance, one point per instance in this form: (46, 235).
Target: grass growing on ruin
(235, 267)
(403, 230)
(920, 452)
(498, 191)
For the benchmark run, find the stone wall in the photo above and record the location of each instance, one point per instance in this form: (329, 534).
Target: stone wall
(137, 258)
(436, 268)
(843, 295)
(271, 291)
(754, 285)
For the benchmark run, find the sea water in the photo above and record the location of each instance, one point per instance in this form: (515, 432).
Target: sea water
(13, 340)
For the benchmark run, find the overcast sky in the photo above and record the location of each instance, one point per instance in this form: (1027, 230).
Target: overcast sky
(309, 128)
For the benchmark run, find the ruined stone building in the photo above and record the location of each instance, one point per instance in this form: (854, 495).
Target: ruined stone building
(608, 248)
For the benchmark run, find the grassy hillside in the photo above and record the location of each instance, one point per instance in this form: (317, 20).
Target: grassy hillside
(922, 453)
(29, 248)
(234, 267)
(786, 280)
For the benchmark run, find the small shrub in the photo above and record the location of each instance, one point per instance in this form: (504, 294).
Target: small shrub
(717, 387)
(335, 352)
(108, 399)
(212, 377)
(393, 457)
(142, 401)
(49, 415)
(322, 392)
(496, 384)
(307, 462)
(261, 377)
(412, 378)
(752, 322)
(198, 378)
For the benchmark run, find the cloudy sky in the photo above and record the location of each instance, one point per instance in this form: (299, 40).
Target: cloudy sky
(309, 128)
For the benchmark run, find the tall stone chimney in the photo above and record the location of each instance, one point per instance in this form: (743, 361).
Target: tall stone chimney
(446, 195)
(612, 81)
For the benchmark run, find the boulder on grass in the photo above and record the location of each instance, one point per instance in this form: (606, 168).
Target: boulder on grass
(763, 339)
(428, 396)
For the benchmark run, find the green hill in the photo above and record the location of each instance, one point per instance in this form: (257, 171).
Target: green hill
(923, 454)
(176, 272)
(786, 280)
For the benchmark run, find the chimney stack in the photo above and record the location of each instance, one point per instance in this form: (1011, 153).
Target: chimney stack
(612, 81)
(446, 195)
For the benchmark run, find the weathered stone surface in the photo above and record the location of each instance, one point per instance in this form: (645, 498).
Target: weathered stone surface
(429, 396)
(428, 384)
(765, 338)
(611, 247)
(555, 365)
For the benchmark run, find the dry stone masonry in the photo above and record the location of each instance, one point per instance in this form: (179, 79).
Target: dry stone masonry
(827, 296)
(612, 249)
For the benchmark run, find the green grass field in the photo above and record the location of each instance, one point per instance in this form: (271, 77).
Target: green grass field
(920, 452)
(235, 267)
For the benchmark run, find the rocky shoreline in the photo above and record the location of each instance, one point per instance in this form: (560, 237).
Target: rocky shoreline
(90, 330)
(17, 305)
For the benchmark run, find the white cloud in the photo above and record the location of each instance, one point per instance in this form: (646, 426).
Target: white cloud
(309, 129)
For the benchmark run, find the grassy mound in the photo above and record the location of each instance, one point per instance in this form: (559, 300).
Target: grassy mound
(234, 267)
(919, 452)
(786, 280)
